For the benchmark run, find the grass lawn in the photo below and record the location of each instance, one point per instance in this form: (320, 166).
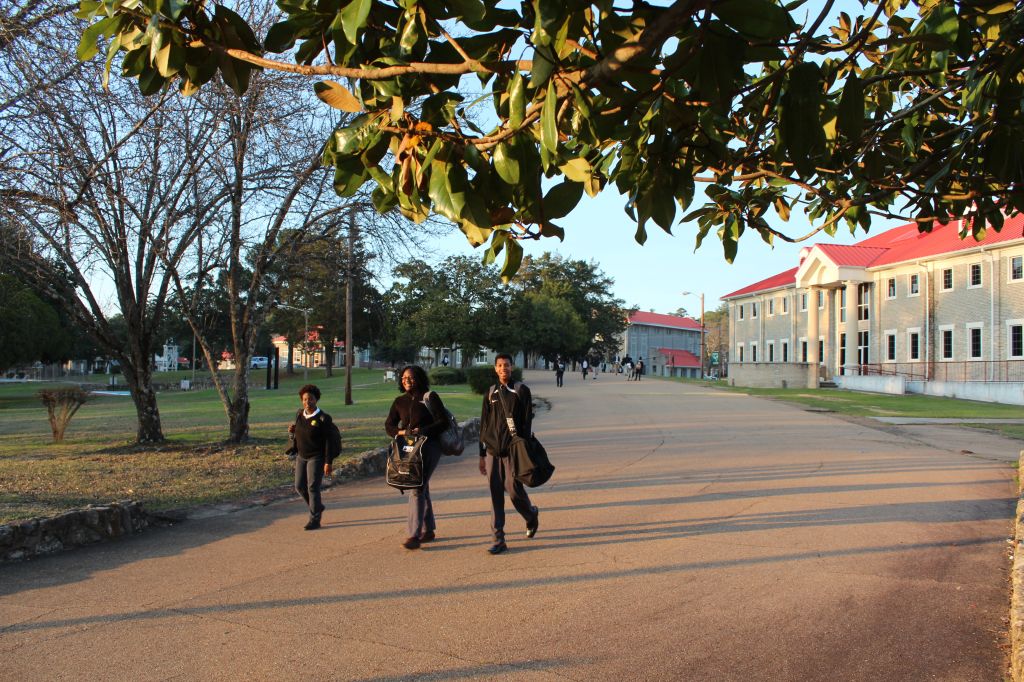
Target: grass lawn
(97, 462)
(861, 404)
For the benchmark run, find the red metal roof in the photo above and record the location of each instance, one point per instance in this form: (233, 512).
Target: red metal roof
(660, 320)
(897, 245)
(679, 358)
(861, 256)
(774, 282)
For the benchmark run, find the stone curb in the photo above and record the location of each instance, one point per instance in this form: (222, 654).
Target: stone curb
(1017, 578)
(80, 527)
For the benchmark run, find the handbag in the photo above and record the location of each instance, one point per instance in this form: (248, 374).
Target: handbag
(530, 463)
(450, 439)
(405, 463)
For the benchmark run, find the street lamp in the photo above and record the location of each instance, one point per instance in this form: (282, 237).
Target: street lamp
(305, 337)
(702, 331)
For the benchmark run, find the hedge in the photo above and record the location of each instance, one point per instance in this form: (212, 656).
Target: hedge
(482, 377)
(445, 376)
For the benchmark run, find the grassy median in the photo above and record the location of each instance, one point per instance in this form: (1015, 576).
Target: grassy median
(98, 462)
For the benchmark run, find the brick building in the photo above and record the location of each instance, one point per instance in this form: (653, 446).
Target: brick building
(926, 307)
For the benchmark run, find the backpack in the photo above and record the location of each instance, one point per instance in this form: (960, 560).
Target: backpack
(404, 470)
(451, 438)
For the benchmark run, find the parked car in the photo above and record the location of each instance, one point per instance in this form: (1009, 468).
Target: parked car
(259, 362)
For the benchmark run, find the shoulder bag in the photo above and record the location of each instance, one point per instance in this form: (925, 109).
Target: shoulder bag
(405, 463)
(529, 458)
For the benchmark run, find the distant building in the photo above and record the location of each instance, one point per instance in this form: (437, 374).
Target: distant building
(921, 308)
(669, 345)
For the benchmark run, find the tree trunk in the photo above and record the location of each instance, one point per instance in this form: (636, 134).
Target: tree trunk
(349, 303)
(238, 416)
(140, 385)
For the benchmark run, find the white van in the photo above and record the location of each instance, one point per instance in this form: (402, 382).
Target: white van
(259, 362)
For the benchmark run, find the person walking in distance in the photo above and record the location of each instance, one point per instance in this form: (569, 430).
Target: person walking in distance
(559, 371)
(316, 443)
(505, 402)
(418, 412)
(585, 366)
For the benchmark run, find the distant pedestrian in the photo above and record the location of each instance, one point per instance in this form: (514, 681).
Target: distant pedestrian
(559, 371)
(316, 442)
(639, 370)
(585, 366)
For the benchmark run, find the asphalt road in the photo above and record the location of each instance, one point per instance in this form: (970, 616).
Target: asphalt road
(688, 534)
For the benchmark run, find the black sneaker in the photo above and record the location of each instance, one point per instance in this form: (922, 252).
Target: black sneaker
(497, 548)
(531, 527)
(313, 524)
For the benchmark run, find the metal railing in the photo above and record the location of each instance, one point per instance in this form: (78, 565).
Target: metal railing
(996, 371)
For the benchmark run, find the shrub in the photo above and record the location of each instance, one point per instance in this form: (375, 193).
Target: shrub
(445, 376)
(61, 405)
(482, 377)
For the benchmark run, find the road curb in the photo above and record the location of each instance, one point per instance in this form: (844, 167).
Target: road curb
(1017, 576)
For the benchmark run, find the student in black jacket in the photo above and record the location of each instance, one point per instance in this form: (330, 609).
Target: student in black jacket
(317, 442)
(409, 415)
(506, 400)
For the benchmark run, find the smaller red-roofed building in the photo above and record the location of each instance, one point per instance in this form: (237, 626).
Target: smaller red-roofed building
(669, 345)
(903, 310)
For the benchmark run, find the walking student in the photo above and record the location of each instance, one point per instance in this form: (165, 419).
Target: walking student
(410, 415)
(316, 443)
(559, 371)
(505, 401)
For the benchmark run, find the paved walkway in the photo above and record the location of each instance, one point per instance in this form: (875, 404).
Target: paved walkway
(688, 534)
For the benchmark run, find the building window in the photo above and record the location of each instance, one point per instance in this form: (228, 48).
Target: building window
(785, 305)
(803, 303)
(821, 351)
(842, 350)
(975, 275)
(890, 288)
(753, 309)
(947, 344)
(1016, 268)
(739, 350)
(771, 307)
(863, 343)
(842, 305)
(947, 279)
(915, 285)
(913, 345)
(821, 300)
(890, 346)
(785, 351)
(741, 311)
(1015, 343)
(803, 350)
(974, 334)
(771, 351)
(753, 352)
(863, 301)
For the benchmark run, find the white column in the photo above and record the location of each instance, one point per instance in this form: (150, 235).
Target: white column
(812, 337)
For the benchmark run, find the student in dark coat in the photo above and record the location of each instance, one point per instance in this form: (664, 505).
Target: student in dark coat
(410, 415)
(316, 444)
(515, 401)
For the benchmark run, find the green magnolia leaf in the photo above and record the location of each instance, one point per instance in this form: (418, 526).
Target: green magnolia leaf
(800, 124)
(513, 259)
(506, 164)
(549, 128)
(447, 189)
(562, 199)
(150, 82)
(577, 170)
(87, 46)
(337, 96)
(170, 59)
(281, 37)
(353, 18)
(516, 101)
(755, 19)
(850, 117)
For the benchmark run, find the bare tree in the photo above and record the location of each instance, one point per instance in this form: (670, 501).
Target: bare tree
(106, 191)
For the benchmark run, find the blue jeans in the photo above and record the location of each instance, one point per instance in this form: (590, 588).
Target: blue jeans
(421, 511)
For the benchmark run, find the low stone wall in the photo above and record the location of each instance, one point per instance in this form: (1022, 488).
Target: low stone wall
(93, 524)
(893, 385)
(38, 537)
(1017, 581)
(768, 374)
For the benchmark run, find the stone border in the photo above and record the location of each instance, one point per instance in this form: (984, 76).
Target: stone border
(79, 527)
(1017, 580)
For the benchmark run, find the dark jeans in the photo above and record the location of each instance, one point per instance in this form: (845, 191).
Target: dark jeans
(502, 480)
(421, 510)
(309, 474)
(558, 378)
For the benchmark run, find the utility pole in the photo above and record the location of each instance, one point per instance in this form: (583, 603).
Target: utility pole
(349, 304)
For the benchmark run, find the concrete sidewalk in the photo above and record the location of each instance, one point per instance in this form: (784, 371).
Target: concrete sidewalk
(688, 534)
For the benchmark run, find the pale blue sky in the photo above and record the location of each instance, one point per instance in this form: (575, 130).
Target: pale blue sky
(653, 276)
